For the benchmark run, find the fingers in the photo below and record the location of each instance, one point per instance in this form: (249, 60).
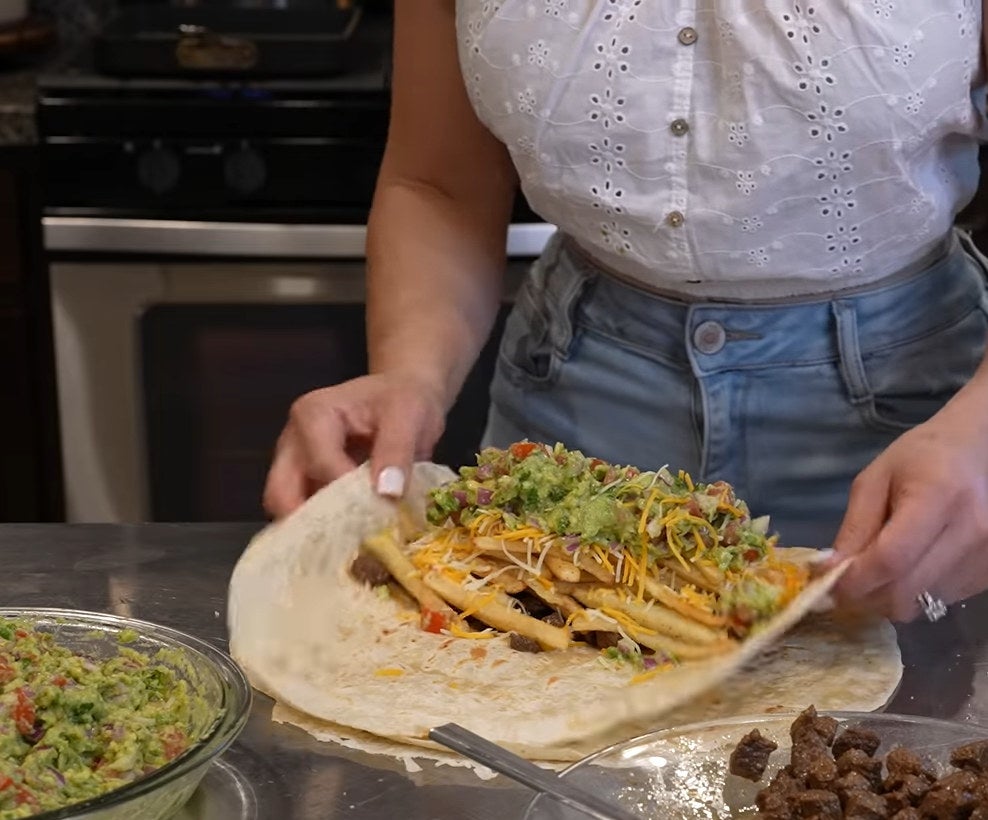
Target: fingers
(405, 431)
(910, 533)
(322, 432)
(867, 510)
(286, 486)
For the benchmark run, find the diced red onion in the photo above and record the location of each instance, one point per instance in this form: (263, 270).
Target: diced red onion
(460, 496)
(571, 544)
(485, 471)
(58, 775)
(649, 663)
(484, 496)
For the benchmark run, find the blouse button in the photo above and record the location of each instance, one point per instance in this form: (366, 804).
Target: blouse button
(687, 36)
(679, 127)
(675, 218)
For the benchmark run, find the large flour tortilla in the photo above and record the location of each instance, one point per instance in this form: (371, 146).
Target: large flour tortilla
(315, 640)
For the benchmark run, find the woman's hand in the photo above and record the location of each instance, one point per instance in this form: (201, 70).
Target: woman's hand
(917, 518)
(392, 419)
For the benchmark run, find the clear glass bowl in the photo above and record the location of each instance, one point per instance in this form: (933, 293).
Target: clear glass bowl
(212, 676)
(681, 773)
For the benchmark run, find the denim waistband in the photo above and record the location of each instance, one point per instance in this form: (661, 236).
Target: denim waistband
(712, 336)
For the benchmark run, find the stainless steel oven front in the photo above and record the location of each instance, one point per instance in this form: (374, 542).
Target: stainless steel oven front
(180, 345)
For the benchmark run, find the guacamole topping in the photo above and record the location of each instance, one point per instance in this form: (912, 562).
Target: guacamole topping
(73, 727)
(638, 517)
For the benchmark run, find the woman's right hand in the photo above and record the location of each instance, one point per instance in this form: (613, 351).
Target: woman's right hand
(391, 419)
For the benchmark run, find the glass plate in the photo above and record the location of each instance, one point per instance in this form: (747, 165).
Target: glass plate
(681, 773)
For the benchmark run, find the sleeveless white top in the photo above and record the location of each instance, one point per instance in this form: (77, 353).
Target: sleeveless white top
(744, 148)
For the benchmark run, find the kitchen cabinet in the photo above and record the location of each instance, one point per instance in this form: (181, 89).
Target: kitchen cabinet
(30, 481)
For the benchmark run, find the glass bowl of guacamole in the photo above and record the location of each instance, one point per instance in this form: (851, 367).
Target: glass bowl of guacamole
(105, 717)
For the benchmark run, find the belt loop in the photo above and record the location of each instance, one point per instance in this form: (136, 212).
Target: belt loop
(851, 365)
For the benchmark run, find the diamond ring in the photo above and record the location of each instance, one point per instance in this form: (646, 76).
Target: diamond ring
(933, 608)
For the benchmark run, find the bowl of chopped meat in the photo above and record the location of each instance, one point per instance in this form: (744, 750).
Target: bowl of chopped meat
(828, 766)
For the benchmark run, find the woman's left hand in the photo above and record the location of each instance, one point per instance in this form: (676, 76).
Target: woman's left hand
(917, 516)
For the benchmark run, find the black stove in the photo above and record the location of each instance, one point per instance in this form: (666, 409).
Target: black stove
(290, 149)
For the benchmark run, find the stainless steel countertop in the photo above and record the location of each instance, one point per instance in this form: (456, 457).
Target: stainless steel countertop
(177, 575)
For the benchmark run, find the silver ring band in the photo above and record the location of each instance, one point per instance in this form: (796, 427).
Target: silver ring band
(933, 608)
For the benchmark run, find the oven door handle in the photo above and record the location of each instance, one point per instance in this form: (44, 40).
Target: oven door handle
(238, 239)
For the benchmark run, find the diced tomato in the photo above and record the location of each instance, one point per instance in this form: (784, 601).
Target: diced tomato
(20, 633)
(173, 741)
(60, 681)
(693, 508)
(6, 670)
(433, 621)
(595, 463)
(24, 714)
(522, 449)
(5, 782)
(751, 555)
(24, 796)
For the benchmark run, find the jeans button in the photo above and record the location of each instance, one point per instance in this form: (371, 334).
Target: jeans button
(709, 337)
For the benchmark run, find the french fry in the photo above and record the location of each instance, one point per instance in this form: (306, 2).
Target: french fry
(676, 602)
(678, 649)
(506, 576)
(384, 547)
(492, 607)
(563, 569)
(591, 621)
(691, 575)
(598, 571)
(498, 546)
(656, 617)
(567, 605)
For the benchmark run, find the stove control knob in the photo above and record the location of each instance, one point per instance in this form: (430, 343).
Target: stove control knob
(158, 169)
(245, 171)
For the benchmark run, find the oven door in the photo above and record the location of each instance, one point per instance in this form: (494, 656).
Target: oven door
(176, 370)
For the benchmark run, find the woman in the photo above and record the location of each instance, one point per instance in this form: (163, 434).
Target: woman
(756, 276)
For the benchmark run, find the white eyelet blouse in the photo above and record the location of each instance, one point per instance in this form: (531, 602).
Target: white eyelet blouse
(737, 148)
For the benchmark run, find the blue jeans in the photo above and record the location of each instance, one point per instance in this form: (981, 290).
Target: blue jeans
(787, 401)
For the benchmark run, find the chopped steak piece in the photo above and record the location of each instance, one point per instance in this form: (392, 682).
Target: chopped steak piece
(905, 791)
(523, 643)
(809, 753)
(773, 803)
(774, 800)
(822, 773)
(907, 814)
(865, 805)
(856, 738)
(972, 757)
(825, 727)
(750, 756)
(368, 570)
(817, 803)
(913, 785)
(901, 762)
(555, 619)
(605, 640)
(850, 782)
(856, 760)
(980, 812)
(951, 798)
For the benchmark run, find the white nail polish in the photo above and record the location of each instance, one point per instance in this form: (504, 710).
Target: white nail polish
(391, 481)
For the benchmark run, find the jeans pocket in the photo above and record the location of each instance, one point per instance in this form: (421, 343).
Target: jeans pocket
(902, 386)
(540, 330)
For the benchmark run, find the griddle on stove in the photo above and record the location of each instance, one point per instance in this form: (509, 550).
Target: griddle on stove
(226, 38)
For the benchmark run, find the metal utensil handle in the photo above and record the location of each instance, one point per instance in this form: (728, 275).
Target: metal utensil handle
(523, 771)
